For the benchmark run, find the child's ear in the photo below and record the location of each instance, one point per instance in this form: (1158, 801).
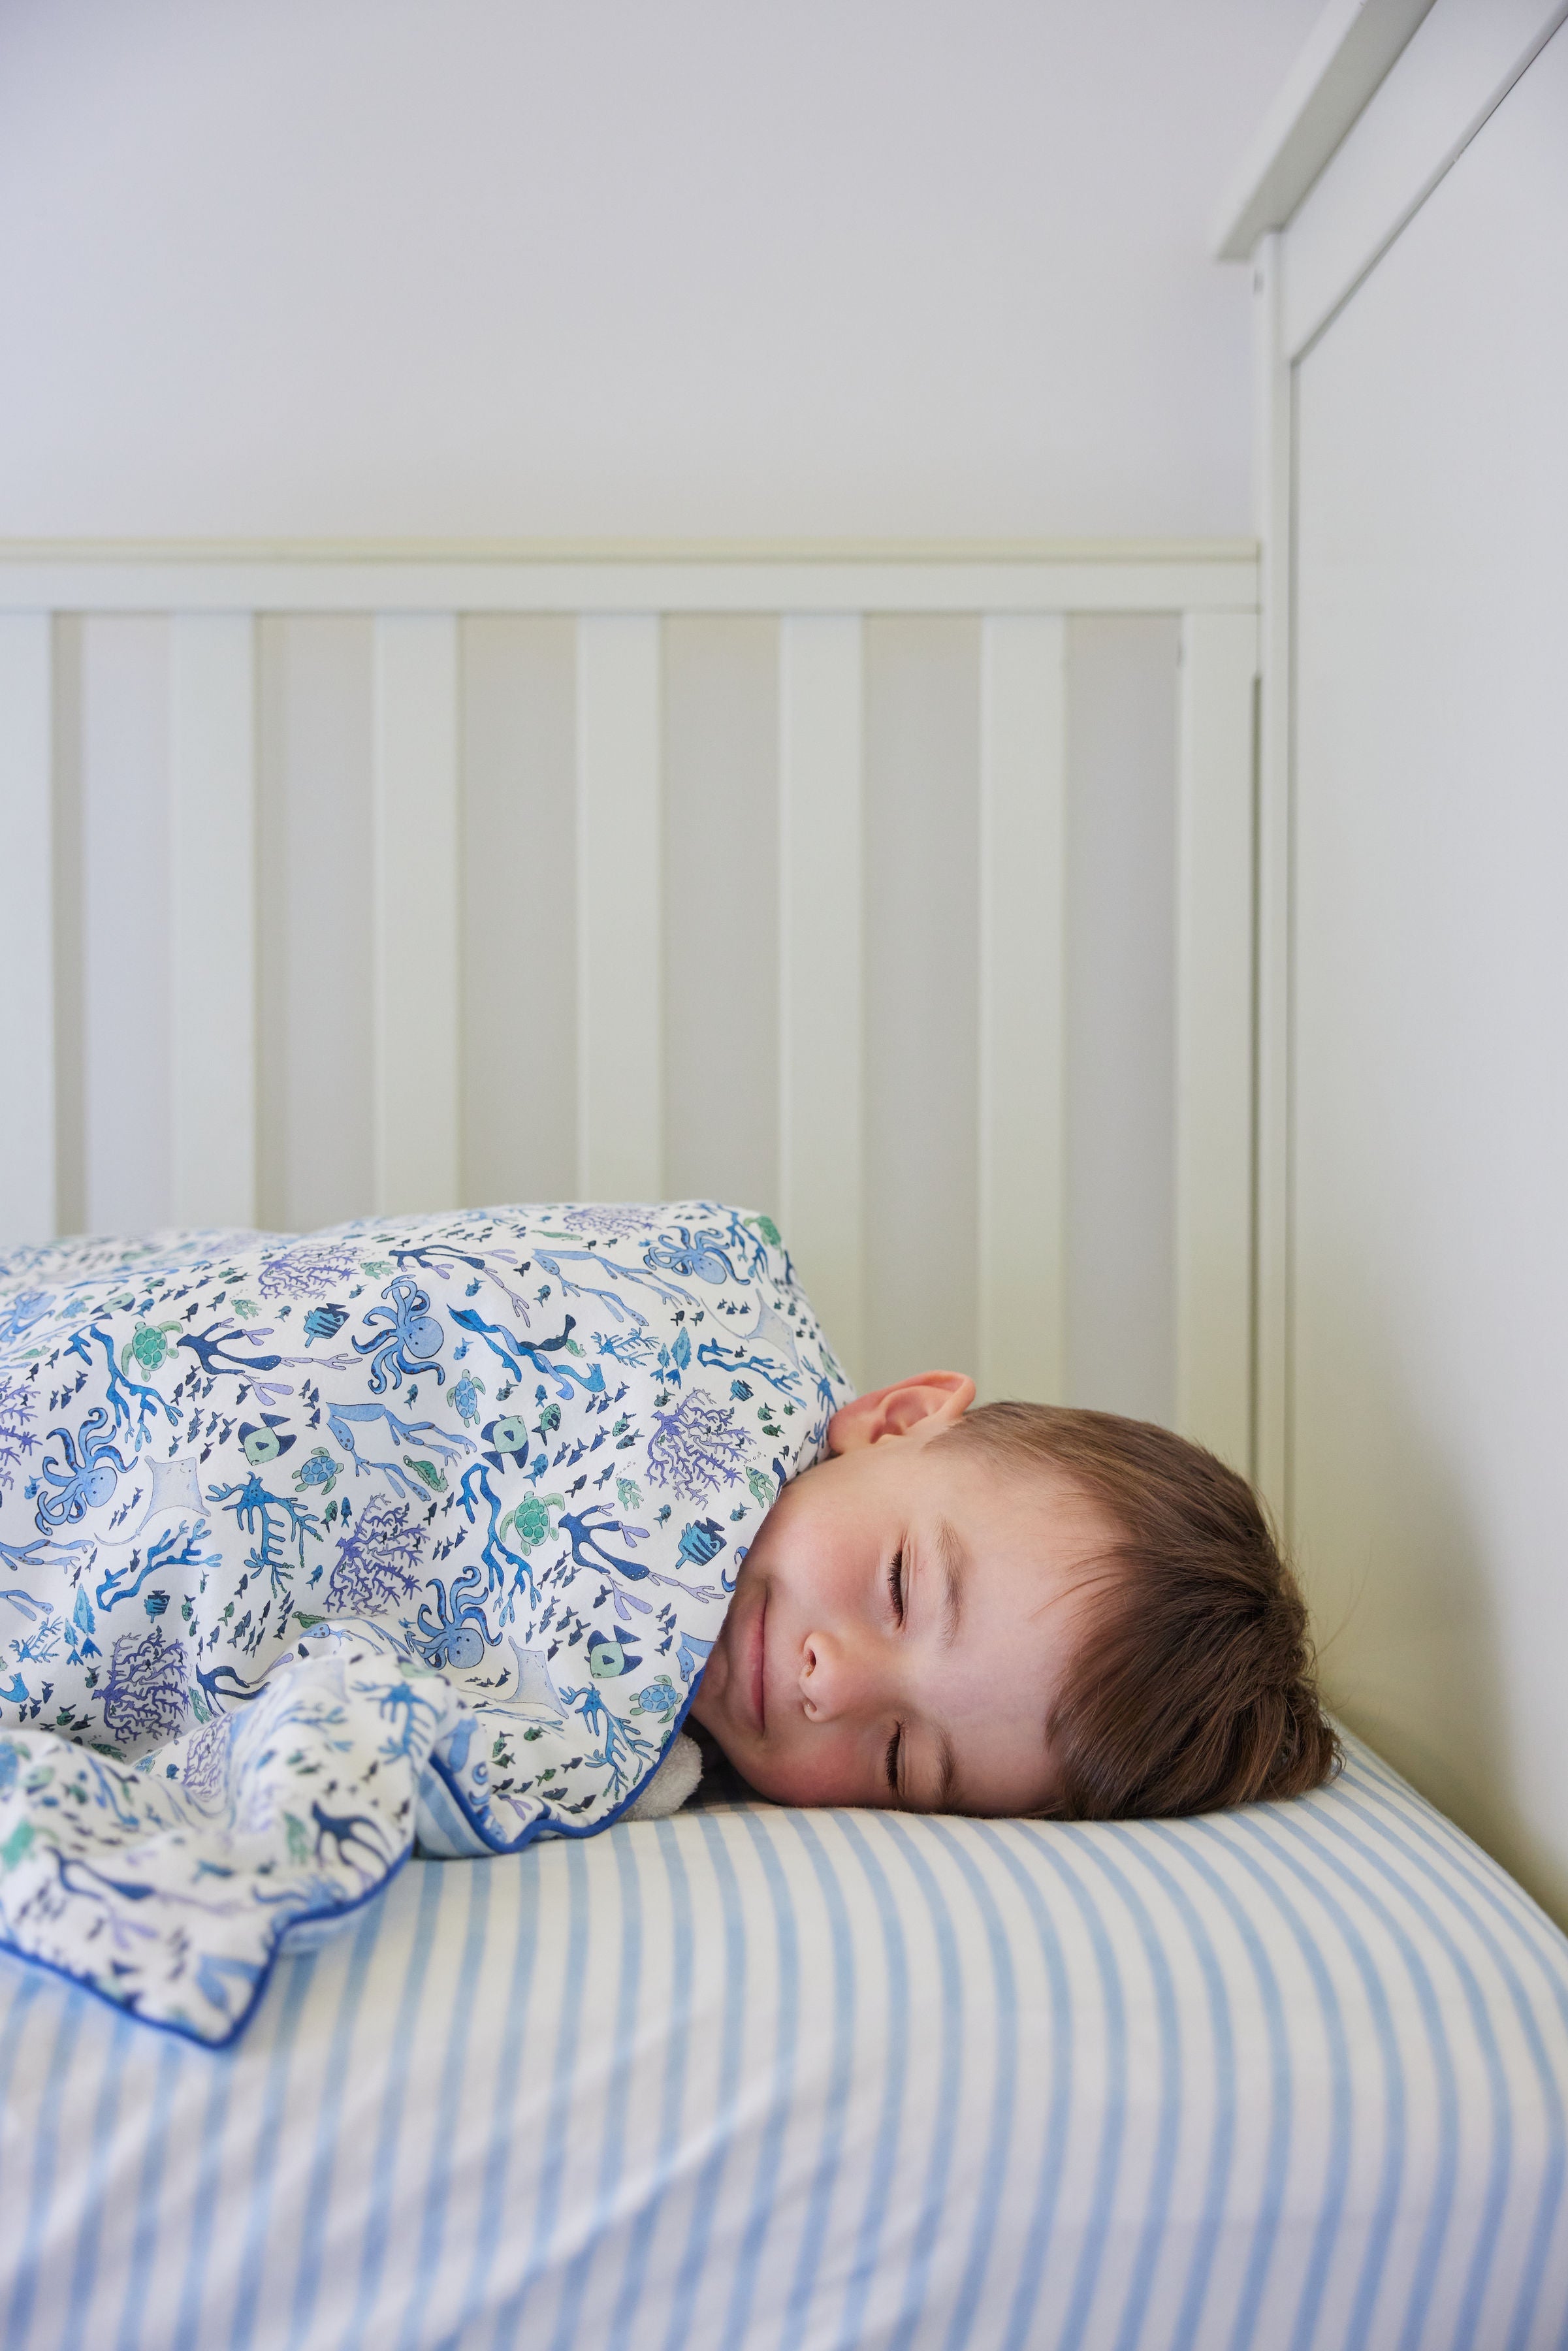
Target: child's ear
(929, 1401)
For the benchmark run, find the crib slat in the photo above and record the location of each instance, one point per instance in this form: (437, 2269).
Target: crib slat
(619, 993)
(1023, 1071)
(26, 930)
(820, 989)
(416, 991)
(212, 742)
(1214, 1045)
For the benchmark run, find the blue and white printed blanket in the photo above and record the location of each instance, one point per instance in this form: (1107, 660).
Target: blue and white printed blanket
(305, 1544)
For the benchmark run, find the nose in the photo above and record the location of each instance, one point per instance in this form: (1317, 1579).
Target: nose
(836, 1679)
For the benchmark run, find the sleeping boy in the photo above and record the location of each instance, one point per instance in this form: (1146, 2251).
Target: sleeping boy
(430, 1534)
(1014, 1610)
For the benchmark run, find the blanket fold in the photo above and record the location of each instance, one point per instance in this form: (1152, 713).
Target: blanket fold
(308, 1545)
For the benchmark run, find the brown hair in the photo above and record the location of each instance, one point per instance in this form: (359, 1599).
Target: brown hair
(1194, 1687)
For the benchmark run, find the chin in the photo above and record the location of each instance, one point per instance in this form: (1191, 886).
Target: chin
(721, 1776)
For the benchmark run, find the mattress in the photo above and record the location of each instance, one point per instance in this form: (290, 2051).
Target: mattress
(1290, 2077)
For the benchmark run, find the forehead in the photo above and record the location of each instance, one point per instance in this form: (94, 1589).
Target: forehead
(1005, 1511)
(1032, 1563)
(993, 1693)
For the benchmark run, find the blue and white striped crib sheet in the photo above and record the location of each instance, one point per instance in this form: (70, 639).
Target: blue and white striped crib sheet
(1289, 2078)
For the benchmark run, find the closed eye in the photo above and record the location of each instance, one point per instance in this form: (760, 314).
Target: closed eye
(893, 1745)
(896, 1584)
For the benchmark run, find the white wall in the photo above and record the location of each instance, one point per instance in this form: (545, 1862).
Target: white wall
(528, 267)
(1429, 1358)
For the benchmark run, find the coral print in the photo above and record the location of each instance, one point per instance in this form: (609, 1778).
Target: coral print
(309, 1270)
(143, 1695)
(697, 1448)
(310, 1545)
(378, 1560)
(16, 1439)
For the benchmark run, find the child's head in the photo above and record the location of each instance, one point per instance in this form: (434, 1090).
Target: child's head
(1014, 1610)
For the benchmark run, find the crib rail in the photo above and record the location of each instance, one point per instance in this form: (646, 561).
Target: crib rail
(220, 1089)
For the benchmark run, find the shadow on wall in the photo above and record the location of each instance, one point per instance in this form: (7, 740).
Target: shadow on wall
(1406, 1575)
(1121, 1014)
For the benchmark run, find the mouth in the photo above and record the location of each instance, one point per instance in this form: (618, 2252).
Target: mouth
(758, 1647)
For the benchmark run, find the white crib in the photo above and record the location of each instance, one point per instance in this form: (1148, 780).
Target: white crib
(351, 879)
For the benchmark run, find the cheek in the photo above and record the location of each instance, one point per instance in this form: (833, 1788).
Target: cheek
(809, 1587)
(803, 1545)
(705, 1704)
(814, 1773)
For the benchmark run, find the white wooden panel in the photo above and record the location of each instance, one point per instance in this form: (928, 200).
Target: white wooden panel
(1273, 395)
(417, 1153)
(1214, 1041)
(939, 1093)
(212, 743)
(1429, 1347)
(1023, 932)
(1462, 64)
(619, 1010)
(68, 654)
(822, 1065)
(1348, 52)
(26, 931)
(1217, 575)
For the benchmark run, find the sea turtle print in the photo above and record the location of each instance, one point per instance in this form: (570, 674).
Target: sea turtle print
(306, 1539)
(320, 1470)
(149, 1342)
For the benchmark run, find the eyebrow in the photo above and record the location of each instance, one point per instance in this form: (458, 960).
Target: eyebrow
(954, 1563)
